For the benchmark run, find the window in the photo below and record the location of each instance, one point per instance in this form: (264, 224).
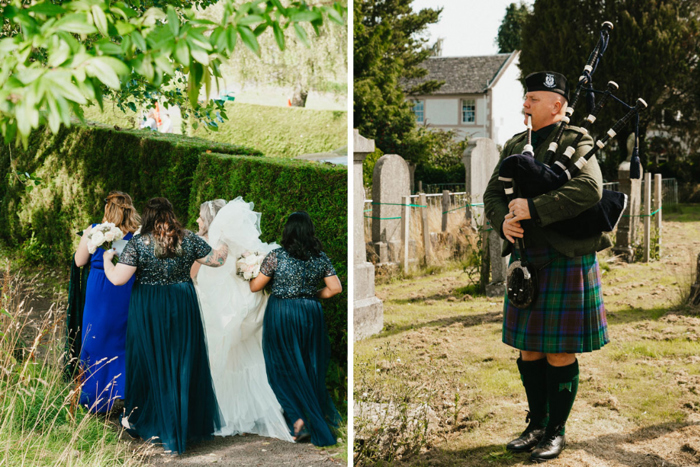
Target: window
(418, 111)
(468, 111)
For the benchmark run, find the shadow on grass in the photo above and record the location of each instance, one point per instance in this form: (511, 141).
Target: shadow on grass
(391, 329)
(607, 448)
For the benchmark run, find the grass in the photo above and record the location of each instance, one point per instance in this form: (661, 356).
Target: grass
(41, 423)
(285, 132)
(640, 393)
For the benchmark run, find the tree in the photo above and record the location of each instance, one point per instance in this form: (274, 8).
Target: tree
(653, 54)
(388, 51)
(510, 30)
(319, 64)
(57, 57)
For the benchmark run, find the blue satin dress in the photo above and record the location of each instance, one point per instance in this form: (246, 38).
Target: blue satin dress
(103, 353)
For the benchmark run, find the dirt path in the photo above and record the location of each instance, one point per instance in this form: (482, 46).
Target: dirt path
(440, 364)
(247, 450)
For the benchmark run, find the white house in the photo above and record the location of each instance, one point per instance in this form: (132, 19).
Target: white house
(482, 96)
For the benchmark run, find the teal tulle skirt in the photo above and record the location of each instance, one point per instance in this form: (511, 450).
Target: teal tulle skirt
(297, 354)
(169, 390)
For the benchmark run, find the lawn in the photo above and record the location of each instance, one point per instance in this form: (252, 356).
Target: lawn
(437, 386)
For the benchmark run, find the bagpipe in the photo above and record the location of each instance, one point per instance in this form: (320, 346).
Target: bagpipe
(533, 178)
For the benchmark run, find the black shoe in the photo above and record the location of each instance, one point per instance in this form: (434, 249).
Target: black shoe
(549, 447)
(526, 441)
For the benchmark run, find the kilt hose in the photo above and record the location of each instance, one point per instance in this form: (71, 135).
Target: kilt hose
(568, 315)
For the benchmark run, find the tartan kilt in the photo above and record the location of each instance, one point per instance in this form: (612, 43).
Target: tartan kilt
(568, 315)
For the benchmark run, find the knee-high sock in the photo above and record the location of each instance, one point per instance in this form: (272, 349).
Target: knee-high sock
(533, 374)
(562, 386)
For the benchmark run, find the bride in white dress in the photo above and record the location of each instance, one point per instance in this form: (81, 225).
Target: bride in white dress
(233, 317)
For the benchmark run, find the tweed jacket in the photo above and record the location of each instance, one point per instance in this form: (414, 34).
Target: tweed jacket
(568, 201)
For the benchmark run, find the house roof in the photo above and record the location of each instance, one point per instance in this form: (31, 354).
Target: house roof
(463, 75)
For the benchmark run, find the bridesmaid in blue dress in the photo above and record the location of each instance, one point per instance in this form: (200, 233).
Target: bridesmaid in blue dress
(102, 356)
(169, 390)
(295, 339)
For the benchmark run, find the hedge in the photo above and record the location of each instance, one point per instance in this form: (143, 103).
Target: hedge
(79, 166)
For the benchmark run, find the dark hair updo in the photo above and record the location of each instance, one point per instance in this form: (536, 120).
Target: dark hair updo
(299, 237)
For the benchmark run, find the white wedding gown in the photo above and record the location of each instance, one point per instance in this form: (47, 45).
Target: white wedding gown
(233, 317)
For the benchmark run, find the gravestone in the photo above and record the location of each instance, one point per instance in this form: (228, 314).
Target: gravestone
(480, 158)
(390, 183)
(368, 314)
(627, 228)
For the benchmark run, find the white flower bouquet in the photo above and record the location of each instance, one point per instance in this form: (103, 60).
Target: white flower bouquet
(248, 265)
(102, 236)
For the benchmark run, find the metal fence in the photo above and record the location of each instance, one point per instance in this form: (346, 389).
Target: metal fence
(669, 190)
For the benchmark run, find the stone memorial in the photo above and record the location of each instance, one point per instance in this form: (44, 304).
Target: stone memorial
(368, 313)
(390, 183)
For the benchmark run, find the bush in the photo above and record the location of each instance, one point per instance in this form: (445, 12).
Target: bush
(79, 167)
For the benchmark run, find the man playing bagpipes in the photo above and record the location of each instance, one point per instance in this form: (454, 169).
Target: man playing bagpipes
(564, 314)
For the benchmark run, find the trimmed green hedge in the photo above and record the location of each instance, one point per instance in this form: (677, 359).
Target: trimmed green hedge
(279, 187)
(79, 166)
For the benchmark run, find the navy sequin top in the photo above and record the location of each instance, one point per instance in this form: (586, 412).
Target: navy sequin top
(151, 270)
(295, 278)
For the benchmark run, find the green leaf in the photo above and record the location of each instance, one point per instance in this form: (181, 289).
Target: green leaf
(100, 20)
(279, 35)
(301, 34)
(107, 69)
(279, 6)
(108, 48)
(28, 75)
(132, 106)
(65, 86)
(164, 65)
(182, 53)
(335, 16)
(303, 16)
(124, 28)
(199, 55)
(249, 39)
(173, 21)
(47, 9)
(139, 41)
(231, 38)
(76, 23)
(250, 20)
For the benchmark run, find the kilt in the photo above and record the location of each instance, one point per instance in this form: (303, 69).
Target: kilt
(568, 315)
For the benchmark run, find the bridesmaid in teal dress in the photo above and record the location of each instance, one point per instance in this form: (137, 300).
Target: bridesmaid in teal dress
(169, 391)
(102, 355)
(295, 339)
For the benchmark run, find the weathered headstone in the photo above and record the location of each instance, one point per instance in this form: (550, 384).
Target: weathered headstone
(412, 176)
(390, 183)
(479, 159)
(368, 313)
(628, 226)
(695, 288)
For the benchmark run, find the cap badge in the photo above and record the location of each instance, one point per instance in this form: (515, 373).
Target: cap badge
(549, 80)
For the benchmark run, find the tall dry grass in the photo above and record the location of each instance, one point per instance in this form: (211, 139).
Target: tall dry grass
(41, 423)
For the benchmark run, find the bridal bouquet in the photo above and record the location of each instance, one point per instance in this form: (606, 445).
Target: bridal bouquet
(102, 236)
(248, 265)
